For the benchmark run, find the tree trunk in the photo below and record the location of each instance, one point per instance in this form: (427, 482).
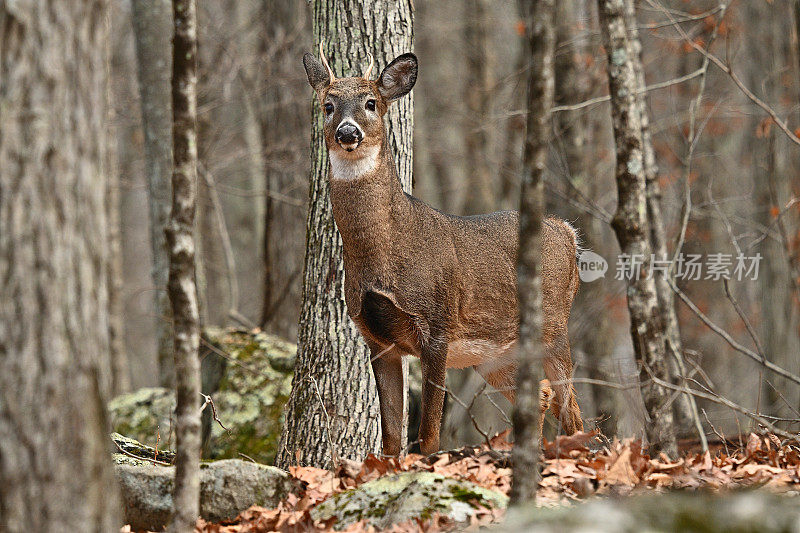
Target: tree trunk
(120, 369)
(333, 408)
(152, 29)
(181, 284)
(55, 376)
(283, 119)
(684, 408)
(631, 225)
(540, 22)
(479, 194)
(575, 152)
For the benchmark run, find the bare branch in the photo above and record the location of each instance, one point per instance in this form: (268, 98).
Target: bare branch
(733, 344)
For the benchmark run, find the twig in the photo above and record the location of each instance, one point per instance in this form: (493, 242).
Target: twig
(726, 68)
(746, 322)
(727, 403)
(209, 400)
(606, 98)
(334, 453)
(717, 433)
(733, 344)
(225, 238)
(468, 409)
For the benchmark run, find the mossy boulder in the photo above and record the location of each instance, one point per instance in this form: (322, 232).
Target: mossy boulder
(145, 415)
(409, 495)
(249, 377)
(227, 488)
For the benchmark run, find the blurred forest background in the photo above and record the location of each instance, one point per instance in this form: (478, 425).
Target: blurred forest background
(724, 166)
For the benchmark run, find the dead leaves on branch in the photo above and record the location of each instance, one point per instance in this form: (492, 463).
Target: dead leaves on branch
(573, 469)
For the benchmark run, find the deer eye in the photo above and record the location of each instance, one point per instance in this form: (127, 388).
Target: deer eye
(328, 108)
(370, 105)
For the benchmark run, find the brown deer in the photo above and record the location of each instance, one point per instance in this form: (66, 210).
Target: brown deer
(424, 283)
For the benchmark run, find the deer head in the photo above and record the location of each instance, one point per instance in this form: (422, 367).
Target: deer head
(353, 108)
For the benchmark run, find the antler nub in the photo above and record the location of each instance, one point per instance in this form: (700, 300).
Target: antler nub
(369, 68)
(325, 62)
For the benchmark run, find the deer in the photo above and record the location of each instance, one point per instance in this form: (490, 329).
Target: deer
(423, 283)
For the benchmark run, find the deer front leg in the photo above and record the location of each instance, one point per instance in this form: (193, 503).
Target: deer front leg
(434, 370)
(387, 366)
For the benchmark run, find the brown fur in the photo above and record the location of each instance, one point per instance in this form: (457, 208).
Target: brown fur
(433, 285)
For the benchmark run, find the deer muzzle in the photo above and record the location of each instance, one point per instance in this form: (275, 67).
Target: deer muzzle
(349, 136)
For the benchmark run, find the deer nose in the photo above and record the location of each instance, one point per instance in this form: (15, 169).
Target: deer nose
(348, 134)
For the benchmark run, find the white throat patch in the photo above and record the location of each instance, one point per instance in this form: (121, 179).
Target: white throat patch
(346, 169)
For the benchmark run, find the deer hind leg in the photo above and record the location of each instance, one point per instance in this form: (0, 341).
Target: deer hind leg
(558, 369)
(503, 379)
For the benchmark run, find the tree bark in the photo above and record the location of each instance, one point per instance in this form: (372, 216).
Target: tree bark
(152, 29)
(684, 408)
(631, 223)
(479, 195)
(55, 376)
(283, 117)
(181, 284)
(540, 23)
(333, 408)
(120, 369)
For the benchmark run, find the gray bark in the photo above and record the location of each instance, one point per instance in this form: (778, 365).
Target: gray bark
(333, 409)
(684, 408)
(152, 28)
(479, 194)
(775, 183)
(55, 374)
(631, 223)
(540, 21)
(283, 118)
(181, 284)
(120, 370)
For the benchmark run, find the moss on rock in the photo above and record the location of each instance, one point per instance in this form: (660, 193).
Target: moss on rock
(249, 376)
(400, 497)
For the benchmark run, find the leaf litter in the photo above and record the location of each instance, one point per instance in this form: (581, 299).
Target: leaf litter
(574, 468)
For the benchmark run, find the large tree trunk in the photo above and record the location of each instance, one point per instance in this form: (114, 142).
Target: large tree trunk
(152, 28)
(181, 284)
(479, 194)
(333, 408)
(631, 223)
(55, 473)
(540, 22)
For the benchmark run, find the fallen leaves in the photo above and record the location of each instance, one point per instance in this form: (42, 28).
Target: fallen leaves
(574, 468)
(622, 468)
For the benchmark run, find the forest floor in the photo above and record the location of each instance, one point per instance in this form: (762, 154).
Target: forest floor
(576, 468)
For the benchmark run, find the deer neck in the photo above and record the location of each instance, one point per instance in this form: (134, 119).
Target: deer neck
(369, 207)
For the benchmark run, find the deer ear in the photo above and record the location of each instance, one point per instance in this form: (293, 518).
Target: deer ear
(318, 76)
(398, 78)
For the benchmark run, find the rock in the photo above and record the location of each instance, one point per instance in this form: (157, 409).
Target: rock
(400, 497)
(249, 376)
(227, 488)
(133, 452)
(143, 414)
(741, 512)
